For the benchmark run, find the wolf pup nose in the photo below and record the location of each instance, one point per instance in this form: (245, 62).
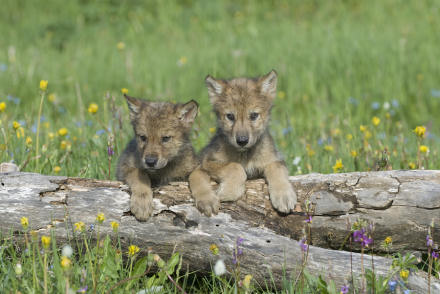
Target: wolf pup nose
(151, 161)
(242, 147)
(159, 152)
(242, 140)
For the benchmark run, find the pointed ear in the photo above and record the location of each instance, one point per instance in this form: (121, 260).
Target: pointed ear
(134, 106)
(188, 112)
(215, 87)
(268, 84)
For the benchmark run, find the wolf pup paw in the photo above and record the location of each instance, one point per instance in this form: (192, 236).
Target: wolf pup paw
(283, 198)
(208, 205)
(141, 205)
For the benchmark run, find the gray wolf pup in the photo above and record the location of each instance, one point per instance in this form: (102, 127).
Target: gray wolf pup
(160, 152)
(242, 147)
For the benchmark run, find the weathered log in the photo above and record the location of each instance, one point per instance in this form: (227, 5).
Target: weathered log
(402, 204)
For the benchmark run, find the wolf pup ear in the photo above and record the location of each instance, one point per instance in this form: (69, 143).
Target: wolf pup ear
(134, 106)
(188, 112)
(215, 87)
(268, 84)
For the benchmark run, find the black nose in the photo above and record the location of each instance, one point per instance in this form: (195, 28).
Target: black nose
(242, 140)
(151, 161)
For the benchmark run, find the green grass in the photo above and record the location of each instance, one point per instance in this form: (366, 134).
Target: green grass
(325, 53)
(340, 63)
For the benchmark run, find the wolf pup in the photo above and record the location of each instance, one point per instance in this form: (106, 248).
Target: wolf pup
(161, 150)
(242, 147)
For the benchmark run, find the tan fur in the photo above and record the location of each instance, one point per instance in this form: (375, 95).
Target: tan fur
(161, 133)
(242, 147)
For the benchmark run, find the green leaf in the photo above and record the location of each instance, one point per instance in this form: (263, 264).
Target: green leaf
(138, 269)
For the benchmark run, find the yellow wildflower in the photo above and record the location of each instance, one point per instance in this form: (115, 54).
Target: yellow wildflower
(420, 131)
(404, 274)
(412, 165)
(62, 132)
(132, 250)
(43, 85)
(388, 115)
(182, 61)
(93, 108)
(247, 281)
(115, 226)
(353, 153)
(100, 218)
(328, 148)
(45, 240)
(423, 149)
(20, 132)
(24, 222)
(65, 262)
(57, 169)
(349, 137)
(2, 106)
(124, 91)
(120, 46)
(46, 125)
(362, 128)
(376, 121)
(212, 130)
(336, 132)
(281, 94)
(79, 226)
(310, 151)
(64, 144)
(368, 135)
(338, 166)
(28, 140)
(214, 249)
(388, 240)
(51, 135)
(52, 97)
(16, 124)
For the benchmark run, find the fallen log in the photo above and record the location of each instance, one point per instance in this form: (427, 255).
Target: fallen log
(402, 205)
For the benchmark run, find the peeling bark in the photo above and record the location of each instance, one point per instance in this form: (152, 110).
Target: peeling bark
(402, 205)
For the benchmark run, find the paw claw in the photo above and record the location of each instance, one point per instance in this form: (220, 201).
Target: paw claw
(208, 206)
(283, 200)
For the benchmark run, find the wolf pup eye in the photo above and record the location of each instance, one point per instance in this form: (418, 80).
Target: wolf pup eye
(166, 139)
(254, 115)
(230, 116)
(143, 138)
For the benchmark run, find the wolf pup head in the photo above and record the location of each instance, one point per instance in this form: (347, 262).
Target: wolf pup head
(161, 129)
(242, 106)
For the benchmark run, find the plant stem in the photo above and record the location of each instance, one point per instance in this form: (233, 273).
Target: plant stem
(43, 94)
(45, 272)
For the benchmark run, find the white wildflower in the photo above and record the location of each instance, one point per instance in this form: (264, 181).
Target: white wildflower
(219, 268)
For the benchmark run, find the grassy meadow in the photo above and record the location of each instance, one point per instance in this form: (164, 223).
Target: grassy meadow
(356, 79)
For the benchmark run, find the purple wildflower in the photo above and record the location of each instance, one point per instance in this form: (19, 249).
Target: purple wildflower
(83, 289)
(434, 254)
(344, 289)
(309, 219)
(110, 151)
(239, 241)
(429, 241)
(360, 237)
(303, 245)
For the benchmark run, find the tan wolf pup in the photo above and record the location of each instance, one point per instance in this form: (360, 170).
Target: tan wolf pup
(242, 147)
(161, 150)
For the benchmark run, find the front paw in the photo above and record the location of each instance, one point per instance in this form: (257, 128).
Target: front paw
(141, 205)
(283, 198)
(208, 205)
(230, 192)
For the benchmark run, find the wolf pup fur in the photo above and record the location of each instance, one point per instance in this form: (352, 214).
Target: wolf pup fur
(161, 150)
(242, 147)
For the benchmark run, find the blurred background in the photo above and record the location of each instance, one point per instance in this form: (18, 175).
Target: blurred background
(355, 77)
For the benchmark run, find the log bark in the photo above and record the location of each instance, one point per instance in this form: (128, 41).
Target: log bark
(402, 204)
